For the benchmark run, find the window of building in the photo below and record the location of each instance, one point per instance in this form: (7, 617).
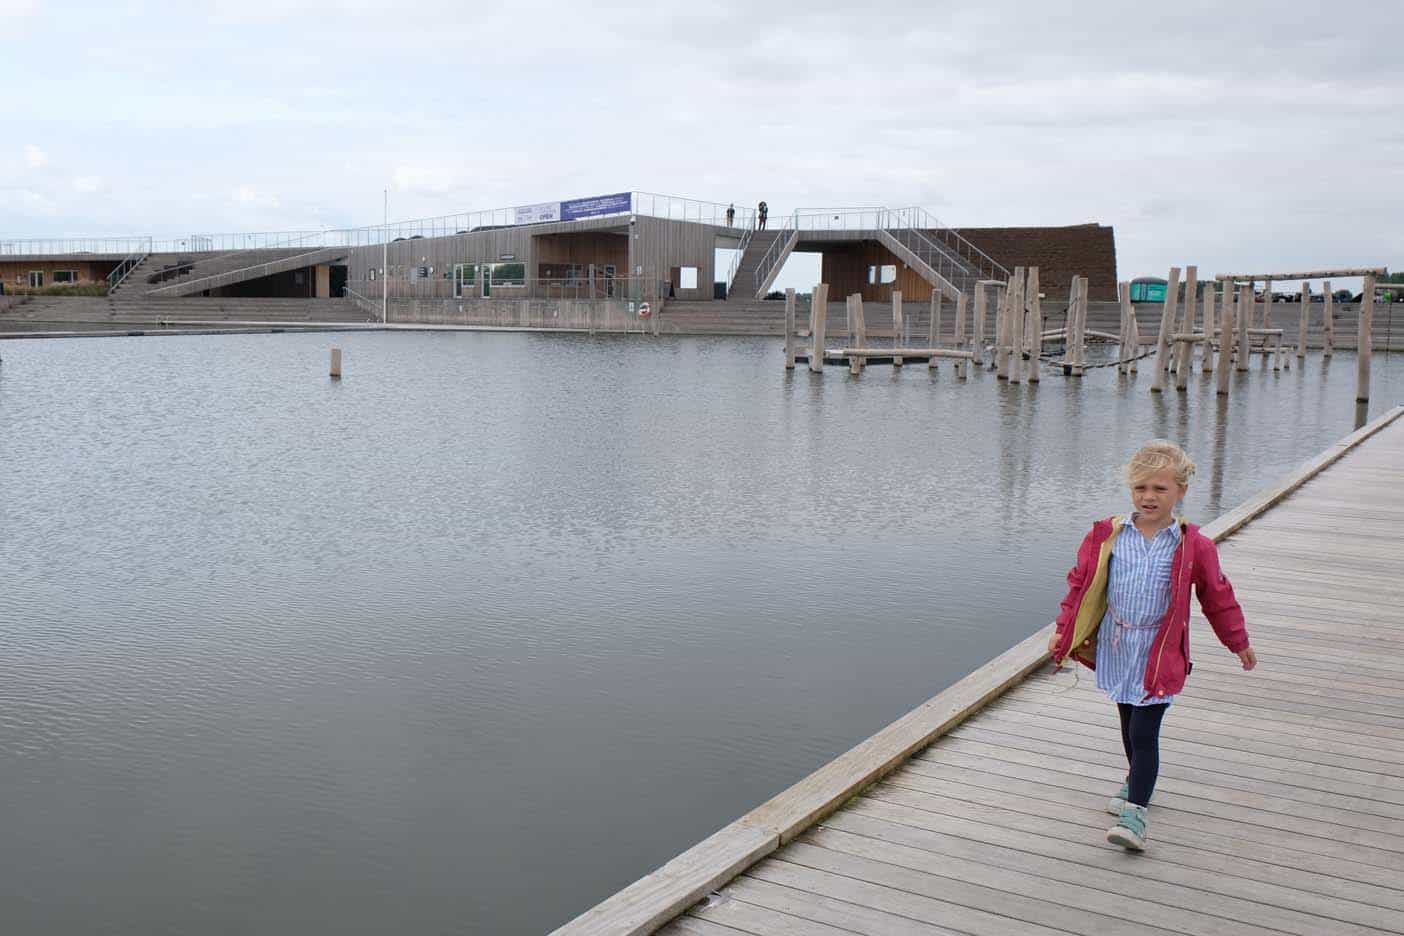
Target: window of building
(688, 279)
(65, 276)
(372, 274)
(36, 279)
(889, 274)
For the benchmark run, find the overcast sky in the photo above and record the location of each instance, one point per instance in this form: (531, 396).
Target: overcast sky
(1223, 134)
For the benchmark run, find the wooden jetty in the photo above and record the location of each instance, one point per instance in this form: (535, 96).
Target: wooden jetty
(1280, 806)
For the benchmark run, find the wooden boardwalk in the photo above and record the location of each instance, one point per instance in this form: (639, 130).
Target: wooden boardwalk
(1280, 806)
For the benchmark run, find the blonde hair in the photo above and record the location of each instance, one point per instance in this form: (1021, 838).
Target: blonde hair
(1159, 455)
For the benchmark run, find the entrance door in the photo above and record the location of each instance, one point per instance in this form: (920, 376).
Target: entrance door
(485, 275)
(36, 279)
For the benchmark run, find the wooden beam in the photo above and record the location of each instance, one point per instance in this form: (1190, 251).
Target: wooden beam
(1167, 318)
(1313, 274)
(904, 352)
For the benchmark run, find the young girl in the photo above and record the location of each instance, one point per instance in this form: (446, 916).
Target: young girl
(1126, 616)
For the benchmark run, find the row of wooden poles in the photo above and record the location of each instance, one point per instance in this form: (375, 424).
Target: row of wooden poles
(1017, 347)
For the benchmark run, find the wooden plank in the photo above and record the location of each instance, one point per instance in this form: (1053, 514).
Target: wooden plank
(691, 926)
(1240, 890)
(1282, 884)
(1007, 893)
(1316, 839)
(910, 912)
(1196, 911)
(764, 909)
(818, 910)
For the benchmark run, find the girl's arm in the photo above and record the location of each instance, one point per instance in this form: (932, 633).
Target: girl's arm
(1220, 606)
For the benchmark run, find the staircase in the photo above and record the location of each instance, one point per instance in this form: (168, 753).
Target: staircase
(744, 284)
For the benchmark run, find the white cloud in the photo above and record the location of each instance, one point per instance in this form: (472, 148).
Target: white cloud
(86, 185)
(34, 157)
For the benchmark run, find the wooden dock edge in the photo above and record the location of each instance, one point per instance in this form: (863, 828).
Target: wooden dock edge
(654, 900)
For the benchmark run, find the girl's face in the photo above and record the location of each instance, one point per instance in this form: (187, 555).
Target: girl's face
(1154, 496)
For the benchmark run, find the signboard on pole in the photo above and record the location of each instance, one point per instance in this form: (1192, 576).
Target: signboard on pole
(534, 214)
(593, 207)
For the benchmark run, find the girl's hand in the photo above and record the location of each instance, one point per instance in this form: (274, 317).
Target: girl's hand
(1053, 642)
(1248, 658)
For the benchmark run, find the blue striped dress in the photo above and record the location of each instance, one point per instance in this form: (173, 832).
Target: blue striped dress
(1138, 594)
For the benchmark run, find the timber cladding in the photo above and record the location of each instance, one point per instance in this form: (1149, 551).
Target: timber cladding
(1060, 253)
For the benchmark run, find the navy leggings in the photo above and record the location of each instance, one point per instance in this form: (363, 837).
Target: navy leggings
(1140, 735)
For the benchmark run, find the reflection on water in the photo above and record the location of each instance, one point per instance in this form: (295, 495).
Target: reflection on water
(496, 624)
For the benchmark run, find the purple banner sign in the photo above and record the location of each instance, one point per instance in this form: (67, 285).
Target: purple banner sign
(578, 208)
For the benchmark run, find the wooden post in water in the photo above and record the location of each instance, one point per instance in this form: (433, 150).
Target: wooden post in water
(979, 343)
(818, 321)
(1363, 341)
(1016, 327)
(1167, 320)
(1034, 323)
(1245, 315)
(1183, 349)
(1267, 322)
(860, 329)
(1225, 338)
(1206, 354)
(790, 329)
(336, 363)
(1304, 321)
(1328, 320)
(961, 364)
(896, 326)
(1123, 335)
(1135, 342)
(1001, 341)
(933, 332)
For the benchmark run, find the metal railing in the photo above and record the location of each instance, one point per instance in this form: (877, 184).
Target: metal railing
(948, 240)
(471, 289)
(778, 250)
(839, 219)
(119, 273)
(371, 307)
(678, 208)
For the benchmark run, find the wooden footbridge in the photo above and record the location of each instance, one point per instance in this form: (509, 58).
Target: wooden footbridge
(1280, 807)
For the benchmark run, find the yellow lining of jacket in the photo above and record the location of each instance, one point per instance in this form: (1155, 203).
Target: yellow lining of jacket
(1094, 601)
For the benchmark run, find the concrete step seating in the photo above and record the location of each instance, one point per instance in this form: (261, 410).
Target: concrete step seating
(98, 310)
(193, 266)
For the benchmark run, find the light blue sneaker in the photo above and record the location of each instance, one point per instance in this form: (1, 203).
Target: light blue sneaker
(1118, 802)
(1130, 830)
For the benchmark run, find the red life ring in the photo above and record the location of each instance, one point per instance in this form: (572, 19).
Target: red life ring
(644, 311)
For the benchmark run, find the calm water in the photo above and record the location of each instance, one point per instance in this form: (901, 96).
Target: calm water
(500, 622)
